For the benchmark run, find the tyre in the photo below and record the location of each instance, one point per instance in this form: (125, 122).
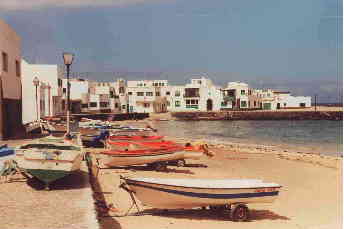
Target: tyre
(239, 213)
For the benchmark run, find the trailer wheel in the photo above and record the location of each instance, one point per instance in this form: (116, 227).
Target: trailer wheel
(239, 213)
(181, 163)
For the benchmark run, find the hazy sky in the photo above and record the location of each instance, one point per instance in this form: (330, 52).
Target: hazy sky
(290, 44)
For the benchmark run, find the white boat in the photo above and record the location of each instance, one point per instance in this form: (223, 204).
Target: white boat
(49, 162)
(191, 193)
(6, 155)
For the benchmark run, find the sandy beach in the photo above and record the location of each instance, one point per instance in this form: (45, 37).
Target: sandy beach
(311, 196)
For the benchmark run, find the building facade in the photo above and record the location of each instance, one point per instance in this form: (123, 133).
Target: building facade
(10, 82)
(49, 91)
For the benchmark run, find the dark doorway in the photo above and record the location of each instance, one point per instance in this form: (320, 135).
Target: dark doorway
(278, 106)
(209, 105)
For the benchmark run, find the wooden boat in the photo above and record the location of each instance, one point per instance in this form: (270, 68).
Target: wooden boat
(140, 157)
(127, 145)
(6, 154)
(136, 138)
(49, 162)
(190, 193)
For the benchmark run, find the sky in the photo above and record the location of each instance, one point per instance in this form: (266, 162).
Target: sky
(287, 45)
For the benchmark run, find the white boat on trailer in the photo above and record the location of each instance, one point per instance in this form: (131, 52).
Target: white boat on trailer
(226, 194)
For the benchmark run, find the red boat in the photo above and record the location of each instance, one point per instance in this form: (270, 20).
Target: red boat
(135, 138)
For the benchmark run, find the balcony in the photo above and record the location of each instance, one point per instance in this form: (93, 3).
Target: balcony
(228, 98)
(196, 95)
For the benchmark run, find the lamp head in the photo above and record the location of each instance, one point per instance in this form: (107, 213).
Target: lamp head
(68, 58)
(35, 81)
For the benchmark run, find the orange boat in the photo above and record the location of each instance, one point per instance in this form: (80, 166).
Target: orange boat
(135, 138)
(151, 152)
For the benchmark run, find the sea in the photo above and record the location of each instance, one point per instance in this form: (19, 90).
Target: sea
(311, 136)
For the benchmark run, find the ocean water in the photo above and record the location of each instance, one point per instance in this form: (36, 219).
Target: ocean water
(320, 136)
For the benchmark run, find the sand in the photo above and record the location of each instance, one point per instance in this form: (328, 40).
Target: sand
(311, 196)
(69, 204)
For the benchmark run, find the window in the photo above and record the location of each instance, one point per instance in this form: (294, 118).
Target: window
(188, 102)
(255, 103)
(168, 93)
(116, 105)
(242, 92)
(223, 104)
(104, 104)
(130, 93)
(157, 93)
(139, 93)
(84, 105)
(64, 90)
(192, 102)
(112, 94)
(149, 93)
(59, 82)
(146, 105)
(177, 93)
(243, 104)
(285, 104)
(168, 103)
(18, 68)
(4, 62)
(199, 81)
(123, 106)
(302, 104)
(93, 104)
(177, 104)
(121, 90)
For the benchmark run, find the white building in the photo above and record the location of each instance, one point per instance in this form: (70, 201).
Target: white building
(236, 96)
(145, 96)
(286, 100)
(49, 91)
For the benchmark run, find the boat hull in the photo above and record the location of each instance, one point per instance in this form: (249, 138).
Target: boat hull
(172, 197)
(49, 170)
(127, 160)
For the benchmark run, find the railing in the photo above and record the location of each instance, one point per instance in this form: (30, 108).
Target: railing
(191, 96)
(228, 98)
(192, 106)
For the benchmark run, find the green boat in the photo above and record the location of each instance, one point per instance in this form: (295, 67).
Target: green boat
(49, 162)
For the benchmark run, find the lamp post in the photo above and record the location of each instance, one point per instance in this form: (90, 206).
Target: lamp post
(49, 88)
(36, 83)
(68, 60)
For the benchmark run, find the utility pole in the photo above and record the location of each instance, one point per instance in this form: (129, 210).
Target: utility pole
(315, 102)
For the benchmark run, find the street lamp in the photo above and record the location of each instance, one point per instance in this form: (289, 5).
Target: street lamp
(36, 83)
(49, 94)
(68, 60)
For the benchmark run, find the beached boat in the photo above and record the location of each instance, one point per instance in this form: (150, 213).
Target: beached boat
(49, 162)
(156, 157)
(191, 193)
(140, 157)
(136, 138)
(6, 154)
